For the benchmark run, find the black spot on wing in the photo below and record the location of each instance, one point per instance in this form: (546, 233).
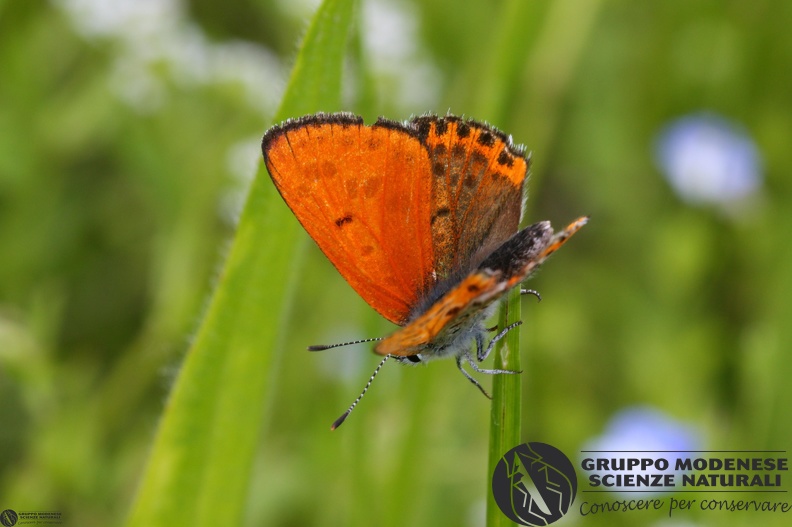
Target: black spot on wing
(340, 222)
(442, 212)
(486, 138)
(505, 159)
(423, 125)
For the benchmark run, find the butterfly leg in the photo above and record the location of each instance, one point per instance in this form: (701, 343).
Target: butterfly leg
(469, 377)
(469, 358)
(482, 353)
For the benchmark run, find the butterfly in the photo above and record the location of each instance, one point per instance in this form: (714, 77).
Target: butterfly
(421, 218)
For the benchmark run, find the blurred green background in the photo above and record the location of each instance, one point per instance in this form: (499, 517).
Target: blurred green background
(129, 132)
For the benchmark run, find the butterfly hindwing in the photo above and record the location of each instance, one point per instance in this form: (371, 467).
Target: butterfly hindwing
(477, 190)
(470, 296)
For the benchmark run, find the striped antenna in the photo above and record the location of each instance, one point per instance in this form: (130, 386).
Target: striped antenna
(533, 292)
(343, 417)
(322, 347)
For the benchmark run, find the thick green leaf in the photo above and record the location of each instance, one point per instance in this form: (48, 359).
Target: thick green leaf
(200, 463)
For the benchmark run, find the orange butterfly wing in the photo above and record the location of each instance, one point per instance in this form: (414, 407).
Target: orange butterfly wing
(361, 192)
(399, 208)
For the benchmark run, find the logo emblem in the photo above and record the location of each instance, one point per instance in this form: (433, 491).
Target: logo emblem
(534, 484)
(8, 517)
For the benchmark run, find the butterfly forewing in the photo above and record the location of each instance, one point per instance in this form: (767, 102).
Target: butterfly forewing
(477, 190)
(361, 194)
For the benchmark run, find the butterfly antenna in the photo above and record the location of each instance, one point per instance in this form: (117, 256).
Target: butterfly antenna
(322, 347)
(343, 417)
(533, 292)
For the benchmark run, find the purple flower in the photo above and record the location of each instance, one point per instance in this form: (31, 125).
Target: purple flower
(709, 160)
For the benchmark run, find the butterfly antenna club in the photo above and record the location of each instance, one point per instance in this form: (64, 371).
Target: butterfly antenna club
(343, 417)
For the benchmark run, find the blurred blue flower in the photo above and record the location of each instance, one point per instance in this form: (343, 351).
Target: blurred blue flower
(645, 428)
(648, 433)
(709, 160)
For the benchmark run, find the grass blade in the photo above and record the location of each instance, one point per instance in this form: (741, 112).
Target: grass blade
(505, 423)
(199, 466)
